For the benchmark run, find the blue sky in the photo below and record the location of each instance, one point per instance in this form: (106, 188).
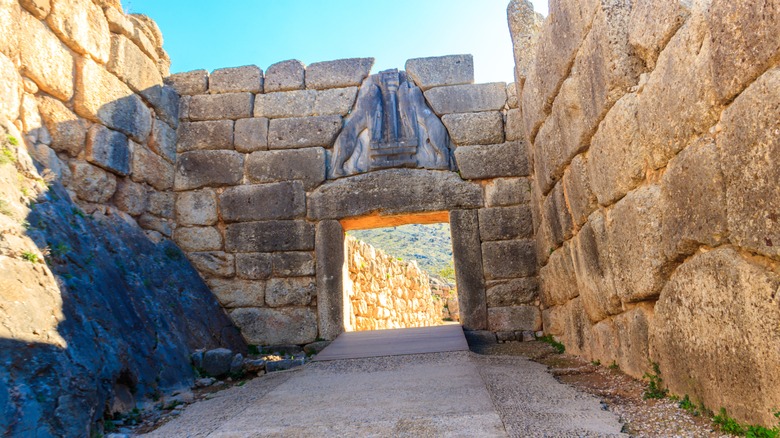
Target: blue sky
(227, 33)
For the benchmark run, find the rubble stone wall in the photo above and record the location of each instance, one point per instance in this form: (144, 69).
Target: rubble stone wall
(388, 293)
(653, 129)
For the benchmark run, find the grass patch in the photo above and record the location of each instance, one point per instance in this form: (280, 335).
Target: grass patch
(732, 426)
(655, 388)
(30, 256)
(5, 208)
(548, 339)
(7, 156)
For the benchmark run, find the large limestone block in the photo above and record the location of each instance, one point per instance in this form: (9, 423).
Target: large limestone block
(91, 183)
(108, 149)
(162, 226)
(198, 239)
(132, 65)
(235, 293)
(10, 89)
(332, 297)
(81, 25)
(163, 140)
(576, 186)
(285, 76)
(303, 132)
(556, 218)
(102, 97)
(558, 282)
(152, 169)
(472, 98)
(553, 321)
(577, 332)
(251, 135)
(514, 292)
(213, 263)
(189, 83)
(593, 270)
(467, 254)
(208, 169)
(491, 161)
(745, 42)
(276, 326)
(254, 266)
(714, 334)
(749, 147)
(693, 199)
(604, 344)
(652, 25)
(338, 74)
(68, 131)
(617, 159)
(248, 78)
(196, 207)
(165, 103)
(162, 204)
(285, 200)
(682, 85)
(282, 292)
(561, 36)
(10, 13)
(514, 127)
(270, 236)
(633, 336)
(439, 71)
(475, 128)
(509, 259)
(378, 192)
(305, 165)
(515, 318)
(505, 223)
(639, 265)
(228, 106)
(45, 59)
(503, 192)
(211, 134)
(293, 264)
(524, 27)
(131, 197)
(335, 101)
(299, 103)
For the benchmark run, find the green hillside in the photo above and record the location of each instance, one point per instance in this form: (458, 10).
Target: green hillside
(430, 245)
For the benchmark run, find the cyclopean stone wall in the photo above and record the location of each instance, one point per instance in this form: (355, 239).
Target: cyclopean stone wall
(262, 216)
(387, 293)
(654, 135)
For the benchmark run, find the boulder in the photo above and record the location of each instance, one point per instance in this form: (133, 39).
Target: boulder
(276, 326)
(251, 135)
(208, 168)
(282, 292)
(207, 135)
(108, 149)
(217, 362)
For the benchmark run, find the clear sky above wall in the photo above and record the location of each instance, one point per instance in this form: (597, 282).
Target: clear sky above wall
(226, 33)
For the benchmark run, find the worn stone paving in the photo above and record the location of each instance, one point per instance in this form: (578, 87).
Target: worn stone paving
(438, 394)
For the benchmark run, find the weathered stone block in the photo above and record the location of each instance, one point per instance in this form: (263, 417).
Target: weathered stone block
(213, 263)
(248, 78)
(238, 293)
(653, 24)
(475, 128)
(254, 266)
(212, 134)
(68, 131)
(293, 264)
(196, 208)
(276, 326)
(515, 129)
(557, 278)
(251, 135)
(130, 197)
(749, 147)
(471, 98)
(81, 25)
(305, 165)
(576, 186)
(270, 236)
(153, 223)
(221, 106)
(377, 192)
(467, 252)
(189, 83)
(491, 161)
(152, 169)
(336, 101)
(51, 68)
(514, 318)
(338, 74)
(163, 140)
(556, 217)
(92, 183)
(714, 334)
(108, 149)
(165, 102)
(509, 259)
(511, 100)
(285, 76)
(514, 292)
(285, 200)
(505, 223)
(208, 168)
(441, 70)
(132, 66)
(502, 192)
(102, 97)
(11, 89)
(633, 336)
(693, 200)
(332, 298)
(553, 321)
(162, 204)
(198, 239)
(303, 132)
(290, 291)
(285, 104)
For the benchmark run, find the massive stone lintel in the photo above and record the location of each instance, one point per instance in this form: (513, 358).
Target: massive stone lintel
(390, 126)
